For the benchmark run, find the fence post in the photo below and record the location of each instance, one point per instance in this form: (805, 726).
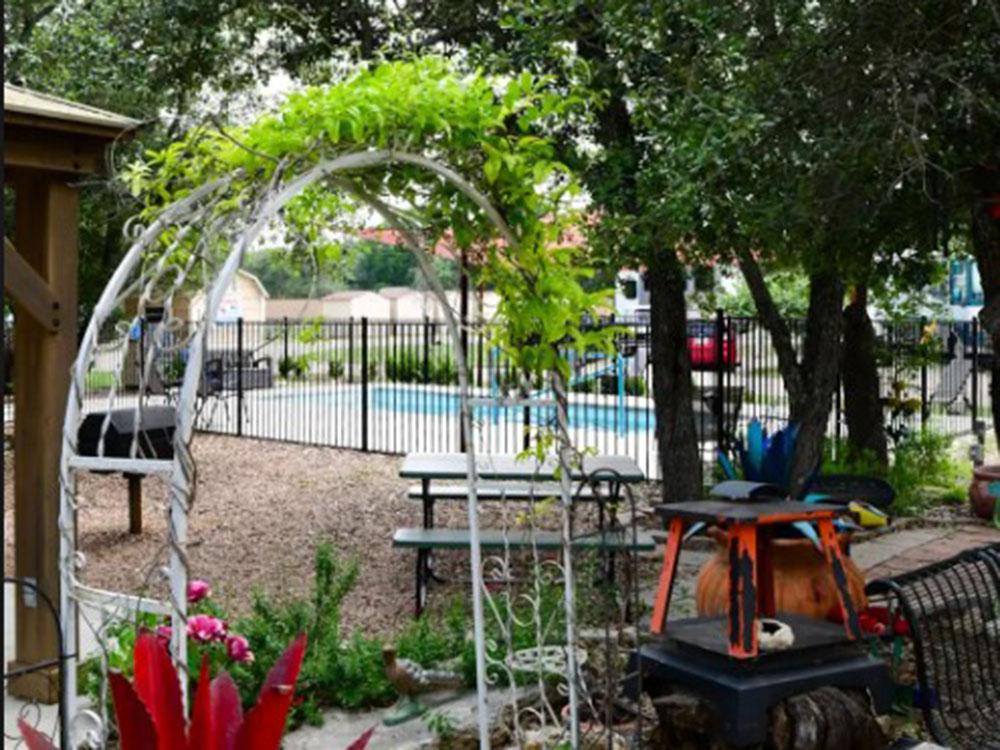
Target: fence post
(720, 373)
(527, 423)
(364, 383)
(142, 352)
(239, 376)
(924, 415)
(350, 350)
(479, 349)
(285, 337)
(427, 350)
(975, 372)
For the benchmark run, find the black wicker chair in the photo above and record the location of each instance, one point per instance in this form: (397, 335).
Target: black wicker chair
(952, 609)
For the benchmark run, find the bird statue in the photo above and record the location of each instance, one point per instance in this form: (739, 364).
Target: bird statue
(411, 680)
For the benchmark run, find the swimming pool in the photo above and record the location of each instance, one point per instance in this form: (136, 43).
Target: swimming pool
(409, 399)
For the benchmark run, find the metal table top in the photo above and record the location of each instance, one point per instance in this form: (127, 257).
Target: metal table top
(766, 512)
(510, 468)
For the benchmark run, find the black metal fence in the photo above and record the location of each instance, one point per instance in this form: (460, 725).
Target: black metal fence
(392, 386)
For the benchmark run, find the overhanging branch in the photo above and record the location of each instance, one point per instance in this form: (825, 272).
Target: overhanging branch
(771, 317)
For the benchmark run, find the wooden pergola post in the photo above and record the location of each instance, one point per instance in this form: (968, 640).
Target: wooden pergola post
(48, 144)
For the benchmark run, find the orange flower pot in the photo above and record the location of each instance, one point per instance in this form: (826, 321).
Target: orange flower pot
(984, 490)
(803, 583)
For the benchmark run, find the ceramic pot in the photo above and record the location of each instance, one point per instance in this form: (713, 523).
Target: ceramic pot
(803, 583)
(984, 490)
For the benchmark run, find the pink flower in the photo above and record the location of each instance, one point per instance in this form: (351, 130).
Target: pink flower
(198, 590)
(238, 648)
(206, 628)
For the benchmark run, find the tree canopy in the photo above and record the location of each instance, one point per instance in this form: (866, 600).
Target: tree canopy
(854, 144)
(489, 129)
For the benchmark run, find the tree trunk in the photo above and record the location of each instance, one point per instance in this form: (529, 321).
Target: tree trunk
(809, 380)
(859, 372)
(985, 232)
(819, 371)
(680, 463)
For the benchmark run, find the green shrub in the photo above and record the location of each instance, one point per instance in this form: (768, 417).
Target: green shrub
(293, 367)
(335, 367)
(337, 671)
(429, 640)
(635, 385)
(172, 369)
(922, 470)
(405, 365)
(120, 641)
(519, 615)
(607, 385)
(340, 670)
(443, 369)
(99, 380)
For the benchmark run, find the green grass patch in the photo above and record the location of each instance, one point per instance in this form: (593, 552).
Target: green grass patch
(99, 380)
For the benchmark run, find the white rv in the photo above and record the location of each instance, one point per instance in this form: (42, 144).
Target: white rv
(632, 296)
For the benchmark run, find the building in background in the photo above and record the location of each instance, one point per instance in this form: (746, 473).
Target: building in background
(295, 308)
(245, 298)
(356, 303)
(405, 302)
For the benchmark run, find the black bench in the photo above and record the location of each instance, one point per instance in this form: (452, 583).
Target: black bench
(952, 609)
(154, 441)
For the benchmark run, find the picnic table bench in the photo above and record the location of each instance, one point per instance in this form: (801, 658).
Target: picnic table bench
(505, 477)
(619, 539)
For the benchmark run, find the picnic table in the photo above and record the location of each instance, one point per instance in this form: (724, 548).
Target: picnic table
(508, 477)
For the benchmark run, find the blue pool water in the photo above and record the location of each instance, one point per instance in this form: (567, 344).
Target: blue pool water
(416, 400)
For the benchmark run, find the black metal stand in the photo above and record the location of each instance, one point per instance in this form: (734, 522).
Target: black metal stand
(742, 691)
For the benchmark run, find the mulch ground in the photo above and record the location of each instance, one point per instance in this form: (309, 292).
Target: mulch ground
(260, 510)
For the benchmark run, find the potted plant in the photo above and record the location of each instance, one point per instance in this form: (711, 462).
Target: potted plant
(984, 490)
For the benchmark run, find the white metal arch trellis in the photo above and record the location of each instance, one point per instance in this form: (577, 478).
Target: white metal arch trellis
(260, 208)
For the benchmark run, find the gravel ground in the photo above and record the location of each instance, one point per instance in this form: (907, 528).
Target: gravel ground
(260, 510)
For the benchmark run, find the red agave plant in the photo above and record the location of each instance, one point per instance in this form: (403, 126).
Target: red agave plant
(150, 714)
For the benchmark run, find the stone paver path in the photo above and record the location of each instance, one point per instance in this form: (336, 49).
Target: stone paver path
(897, 553)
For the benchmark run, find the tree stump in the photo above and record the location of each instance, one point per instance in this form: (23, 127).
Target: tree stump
(823, 719)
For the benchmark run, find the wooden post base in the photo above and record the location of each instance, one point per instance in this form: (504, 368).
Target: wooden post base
(41, 686)
(134, 503)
